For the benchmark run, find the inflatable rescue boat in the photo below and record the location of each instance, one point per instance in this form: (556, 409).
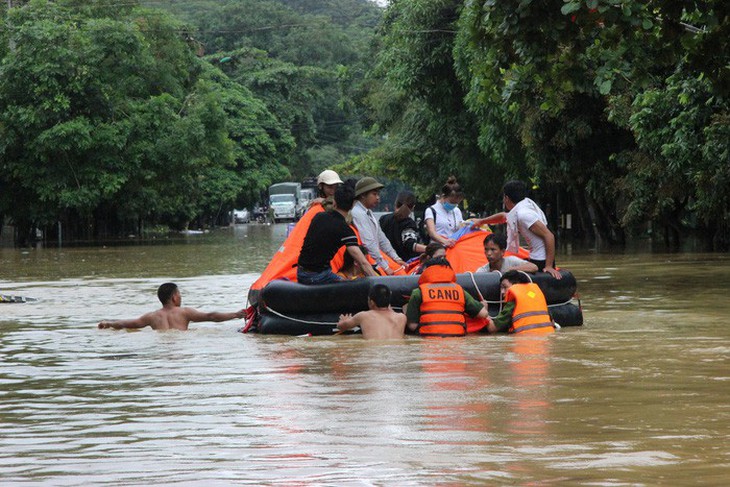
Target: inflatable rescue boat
(279, 305)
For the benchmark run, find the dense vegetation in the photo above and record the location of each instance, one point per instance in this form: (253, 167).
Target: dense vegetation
(616, 109)
(115, 115)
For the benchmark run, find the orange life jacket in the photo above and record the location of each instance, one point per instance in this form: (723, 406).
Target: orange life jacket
(531, 313)
(443, 301)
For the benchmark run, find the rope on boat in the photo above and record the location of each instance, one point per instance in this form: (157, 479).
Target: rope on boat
(561, 304)
(481, 297)
(306, 322)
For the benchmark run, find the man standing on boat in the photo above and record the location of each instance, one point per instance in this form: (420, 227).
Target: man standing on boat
(525, 218)
(367, 194)
(327, 233)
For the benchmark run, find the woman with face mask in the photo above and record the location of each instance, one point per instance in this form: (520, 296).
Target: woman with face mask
(444, 217)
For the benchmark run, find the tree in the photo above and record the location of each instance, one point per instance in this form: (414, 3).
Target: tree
(418, 106)
(112, 119)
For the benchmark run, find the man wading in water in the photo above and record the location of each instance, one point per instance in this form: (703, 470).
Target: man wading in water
(171, 316)
(380, 322)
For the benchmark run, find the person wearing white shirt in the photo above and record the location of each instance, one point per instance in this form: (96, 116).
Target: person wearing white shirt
(367, 194)
(525, 218)
(444, 217)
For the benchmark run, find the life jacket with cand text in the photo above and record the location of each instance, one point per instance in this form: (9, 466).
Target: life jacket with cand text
(442, 306)
(531, 314)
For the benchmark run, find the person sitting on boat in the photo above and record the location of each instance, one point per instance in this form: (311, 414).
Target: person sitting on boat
(380, 321)
(434, 250)
(524, 217)
(326, 234)
(171, 316)
(444, 217)
(367, 194)
(436, 308)
(402, 230)
(351, 269)
(525, 310)
(494, 247)
(327, 183)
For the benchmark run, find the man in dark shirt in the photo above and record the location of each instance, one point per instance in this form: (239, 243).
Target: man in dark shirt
(401, 229)
(327, 233)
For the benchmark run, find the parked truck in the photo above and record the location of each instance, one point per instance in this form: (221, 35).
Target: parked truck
(284, 201)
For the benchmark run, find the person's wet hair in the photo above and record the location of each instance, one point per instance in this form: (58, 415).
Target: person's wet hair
(437, 261)
(380, 294)
(515, 277)
(165, 292)
(498, 239)
(515, 190)
(344, 197)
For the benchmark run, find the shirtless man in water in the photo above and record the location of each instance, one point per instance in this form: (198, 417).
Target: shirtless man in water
(171, 316)
(380, 322)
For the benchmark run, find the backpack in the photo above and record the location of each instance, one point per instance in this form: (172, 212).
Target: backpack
(422, 230)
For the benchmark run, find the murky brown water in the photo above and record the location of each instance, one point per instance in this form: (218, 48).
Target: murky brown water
(638, 396)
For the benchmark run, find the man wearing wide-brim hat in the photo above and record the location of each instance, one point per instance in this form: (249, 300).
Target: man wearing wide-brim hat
(367, 197)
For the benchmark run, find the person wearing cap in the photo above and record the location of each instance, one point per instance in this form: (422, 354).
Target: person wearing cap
(326, 234)
(327, 183)
(367, 196)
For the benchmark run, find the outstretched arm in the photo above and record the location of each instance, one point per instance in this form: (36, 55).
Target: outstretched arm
(140, 322)
(348, 322)
(500, 217)
(197, 316)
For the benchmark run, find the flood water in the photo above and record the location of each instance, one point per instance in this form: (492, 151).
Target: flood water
(637, 396)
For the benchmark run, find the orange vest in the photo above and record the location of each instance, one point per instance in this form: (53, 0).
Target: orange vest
(531, 313)
(443, 301)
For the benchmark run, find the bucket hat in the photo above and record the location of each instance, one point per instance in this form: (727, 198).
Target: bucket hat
(366, 184)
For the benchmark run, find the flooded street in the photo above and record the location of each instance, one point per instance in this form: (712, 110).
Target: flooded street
(637, 396)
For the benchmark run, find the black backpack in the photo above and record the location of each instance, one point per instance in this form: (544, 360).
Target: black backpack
(422, 230)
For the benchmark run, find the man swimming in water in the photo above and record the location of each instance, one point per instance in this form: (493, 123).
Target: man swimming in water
(380, 322)
(171, 316)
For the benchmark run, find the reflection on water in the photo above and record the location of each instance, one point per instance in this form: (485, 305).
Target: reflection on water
(635, 397)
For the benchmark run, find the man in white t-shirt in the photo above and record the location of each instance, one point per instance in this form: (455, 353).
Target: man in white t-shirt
(524, 218)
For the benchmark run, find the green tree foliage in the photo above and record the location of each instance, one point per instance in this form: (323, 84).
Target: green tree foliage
(107, 117)
(610, 103)
(302, 59)
(418, 103)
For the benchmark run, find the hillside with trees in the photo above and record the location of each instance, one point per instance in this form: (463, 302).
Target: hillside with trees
(119, 116)
(116, 116)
